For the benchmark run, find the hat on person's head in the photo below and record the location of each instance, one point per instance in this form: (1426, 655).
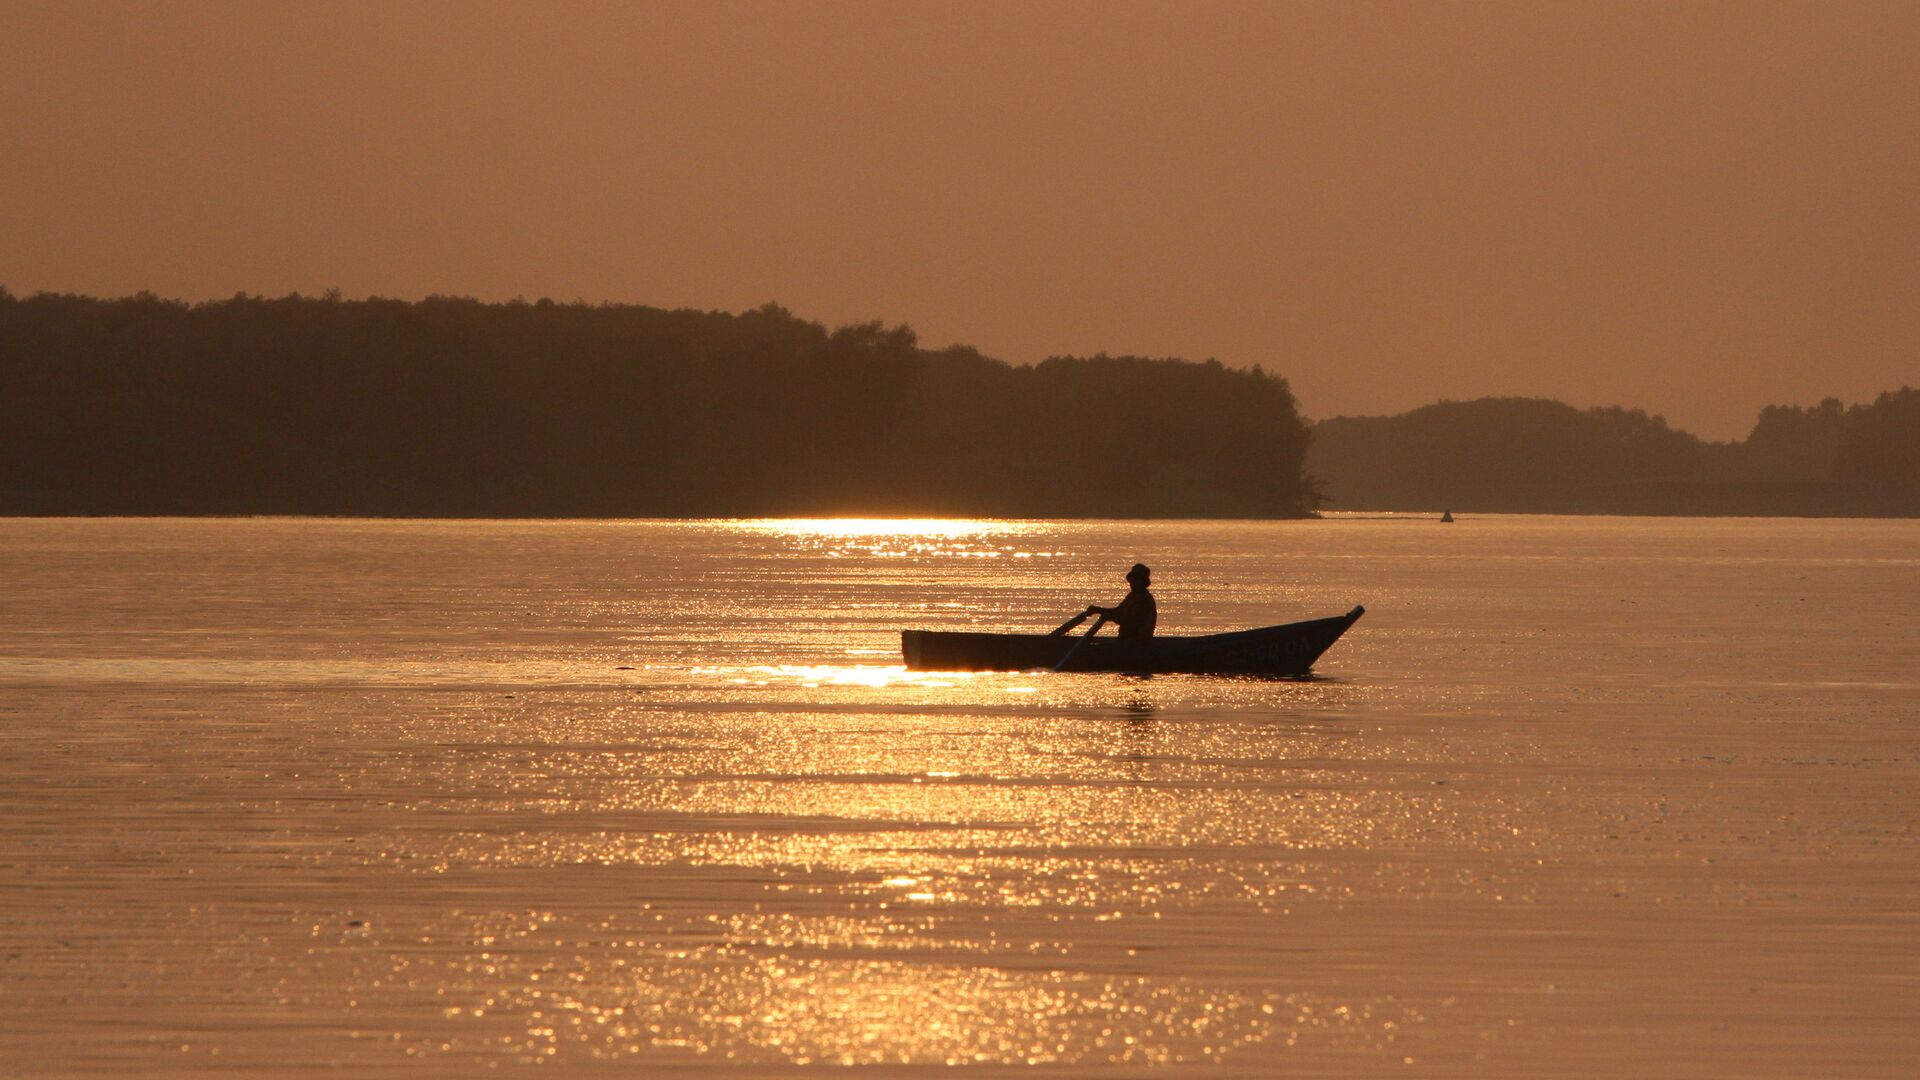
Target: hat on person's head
(1139, 572)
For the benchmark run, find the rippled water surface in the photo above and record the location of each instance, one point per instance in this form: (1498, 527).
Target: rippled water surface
(1596, 797)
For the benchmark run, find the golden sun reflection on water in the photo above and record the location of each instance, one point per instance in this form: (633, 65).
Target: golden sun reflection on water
(867, 882)
(896, 538)
(813, 676)
(632, 990)
(864, 677)
(942, 528)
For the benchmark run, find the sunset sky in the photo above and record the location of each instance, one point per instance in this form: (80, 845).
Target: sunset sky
(1697, 209)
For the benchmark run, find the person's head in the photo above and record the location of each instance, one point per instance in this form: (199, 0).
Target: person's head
(1139, 576)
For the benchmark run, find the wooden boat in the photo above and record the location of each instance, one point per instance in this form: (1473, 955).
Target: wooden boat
(1289, 649)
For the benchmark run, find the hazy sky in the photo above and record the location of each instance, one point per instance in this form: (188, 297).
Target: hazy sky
(1693, 208)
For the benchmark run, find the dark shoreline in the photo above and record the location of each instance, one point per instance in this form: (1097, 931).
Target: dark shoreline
(453, 407)
(1683, 498)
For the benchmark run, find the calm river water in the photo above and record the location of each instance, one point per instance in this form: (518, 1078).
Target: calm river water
(1577, 797)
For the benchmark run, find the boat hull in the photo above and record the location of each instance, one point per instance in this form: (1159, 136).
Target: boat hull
(1289, 649)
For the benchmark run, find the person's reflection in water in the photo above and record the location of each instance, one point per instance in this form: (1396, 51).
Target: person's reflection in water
(1139, 737)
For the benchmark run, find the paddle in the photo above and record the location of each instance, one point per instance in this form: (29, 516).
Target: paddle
(1071, 653)
(1071, 623)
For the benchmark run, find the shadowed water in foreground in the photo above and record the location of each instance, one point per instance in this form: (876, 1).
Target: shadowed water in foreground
(1578, 797)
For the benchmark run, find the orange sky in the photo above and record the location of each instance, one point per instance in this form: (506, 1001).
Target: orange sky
(1696, 209)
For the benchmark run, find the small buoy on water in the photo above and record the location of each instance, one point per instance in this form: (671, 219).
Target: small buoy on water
(1446, 516)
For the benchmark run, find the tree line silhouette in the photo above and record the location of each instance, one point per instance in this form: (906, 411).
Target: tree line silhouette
(453, 407)
(1532, 454)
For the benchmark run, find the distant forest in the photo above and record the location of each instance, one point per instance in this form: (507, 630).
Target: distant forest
(1529, 454)
(453, 407)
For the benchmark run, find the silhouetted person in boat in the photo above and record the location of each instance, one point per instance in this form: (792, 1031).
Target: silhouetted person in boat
(1136, 614)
